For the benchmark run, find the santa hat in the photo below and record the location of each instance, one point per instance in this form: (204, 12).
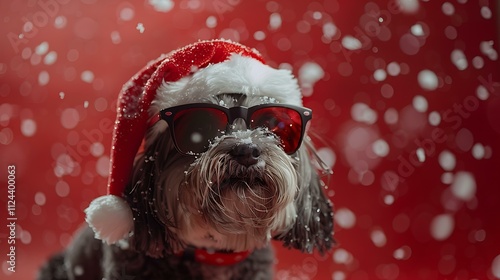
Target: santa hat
(191, 73)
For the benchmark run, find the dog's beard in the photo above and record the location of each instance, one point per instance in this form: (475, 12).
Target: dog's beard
(227, 206)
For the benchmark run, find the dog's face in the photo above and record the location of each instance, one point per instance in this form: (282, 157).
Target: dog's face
(228, 171)
(241, 190)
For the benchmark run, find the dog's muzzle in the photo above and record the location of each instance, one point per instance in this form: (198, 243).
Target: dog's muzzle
(243, 187)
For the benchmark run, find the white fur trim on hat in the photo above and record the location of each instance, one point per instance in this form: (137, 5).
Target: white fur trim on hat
(110, 217)
(238, 74)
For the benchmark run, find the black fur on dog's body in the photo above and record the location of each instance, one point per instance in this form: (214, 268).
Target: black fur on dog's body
(88, 258)
(149, 251)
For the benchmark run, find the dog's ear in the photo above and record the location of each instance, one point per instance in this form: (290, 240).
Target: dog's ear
(313, 226)
(145, 193)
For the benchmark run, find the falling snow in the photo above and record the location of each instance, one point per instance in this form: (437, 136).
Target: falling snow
(495, 266)
(50, 58)
(478, 151)
(463, 186)
(140, 27)
(162, 5)
(362, 113)
(434, 118)
(43, 78)
(402, 253)
(487, 49)
(442, 226)
(87, 76)
(447, 160)
(342, 256)
(408, 6)
(459, 60)
(404, 95)
(309, 74)
(378, 238)
(420, 103)
(126, 13)
(28, 127)
(351, 43)
(417, 30)
(345, 218)
(115, 37)
(274, 21)
(427, 80)
(381, 148)
(448, 9)
(70, 118)
(42, 49)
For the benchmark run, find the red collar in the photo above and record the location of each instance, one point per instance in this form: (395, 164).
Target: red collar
(219, 258)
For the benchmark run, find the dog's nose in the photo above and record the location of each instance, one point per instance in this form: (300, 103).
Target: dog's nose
(246, 154)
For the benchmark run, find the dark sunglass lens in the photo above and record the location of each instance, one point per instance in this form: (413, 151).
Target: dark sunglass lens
(194, 128)
(284, 122)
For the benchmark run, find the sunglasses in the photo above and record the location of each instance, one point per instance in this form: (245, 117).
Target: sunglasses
(194, 126)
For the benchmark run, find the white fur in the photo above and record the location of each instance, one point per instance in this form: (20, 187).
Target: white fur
(238, 74)
(110, 217)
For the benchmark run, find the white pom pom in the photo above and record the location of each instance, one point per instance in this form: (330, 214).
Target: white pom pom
(110, 217)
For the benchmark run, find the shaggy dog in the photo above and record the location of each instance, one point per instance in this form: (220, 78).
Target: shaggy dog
(224, 166)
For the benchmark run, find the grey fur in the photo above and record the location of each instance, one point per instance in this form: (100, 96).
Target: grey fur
(168, 190)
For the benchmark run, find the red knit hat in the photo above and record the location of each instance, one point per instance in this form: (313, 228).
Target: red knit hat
(110, 216)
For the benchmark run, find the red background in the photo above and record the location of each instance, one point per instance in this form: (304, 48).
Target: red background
(399, 216)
